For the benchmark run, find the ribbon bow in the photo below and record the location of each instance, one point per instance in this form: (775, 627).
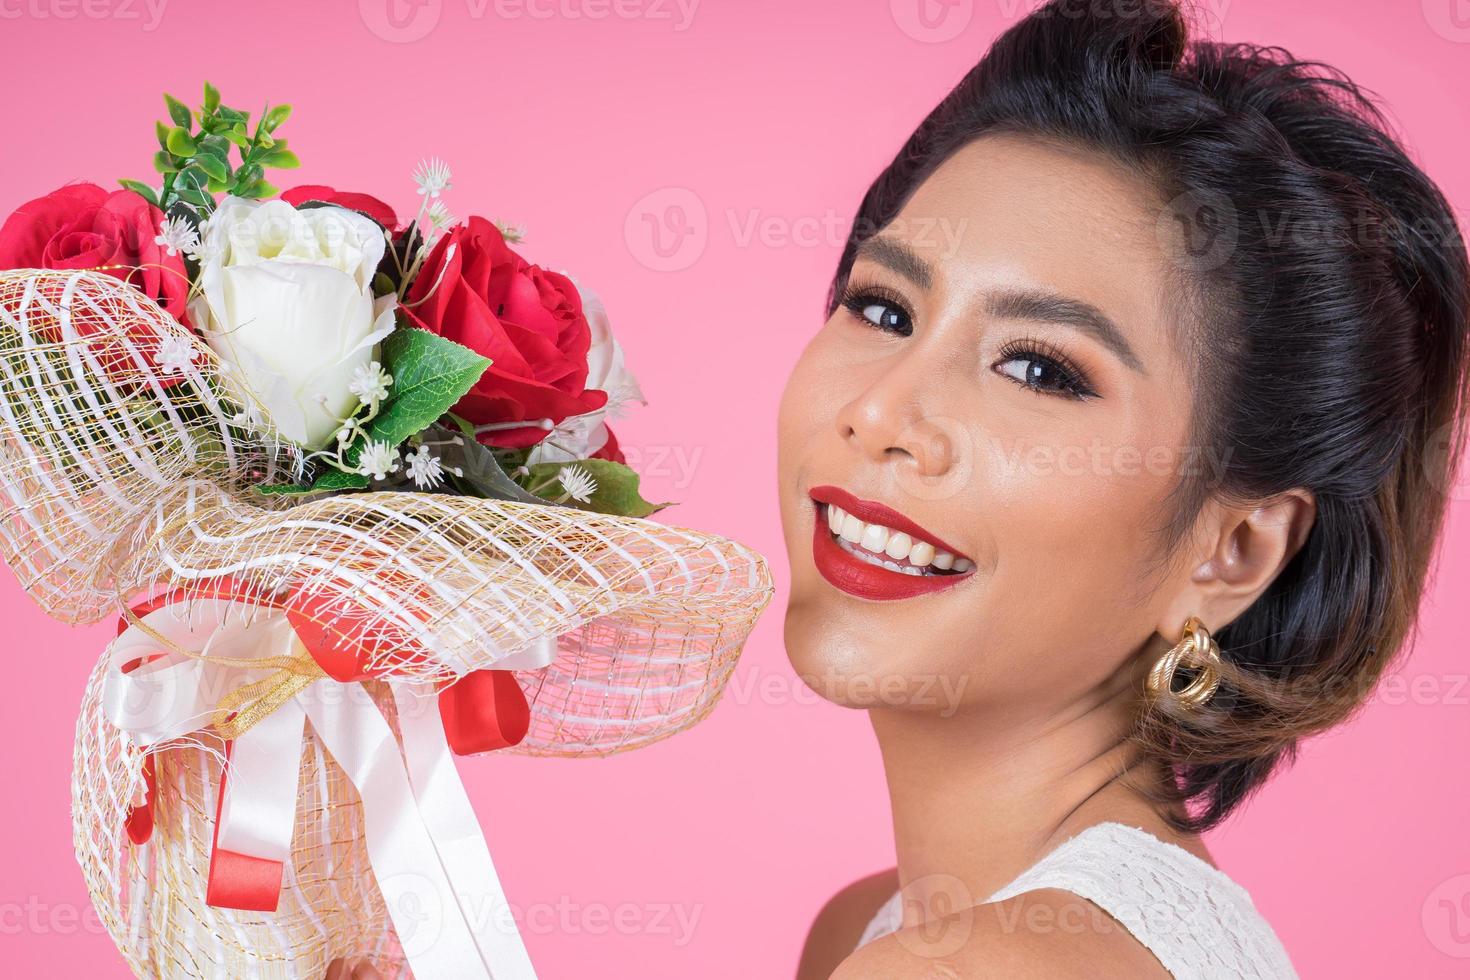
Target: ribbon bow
(237, 663)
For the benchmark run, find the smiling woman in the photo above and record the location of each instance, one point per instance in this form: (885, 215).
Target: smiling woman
(1153, 250)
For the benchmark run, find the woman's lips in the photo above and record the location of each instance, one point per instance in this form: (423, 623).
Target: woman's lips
(874, 552)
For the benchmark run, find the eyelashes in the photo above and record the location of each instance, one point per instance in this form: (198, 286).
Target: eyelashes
(880, 307)
(1033, 363)
(1048, 369)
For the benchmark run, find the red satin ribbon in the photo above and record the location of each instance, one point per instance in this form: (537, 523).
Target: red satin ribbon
(482, 711)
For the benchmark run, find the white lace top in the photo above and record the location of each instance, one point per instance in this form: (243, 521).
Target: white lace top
(1200, 924)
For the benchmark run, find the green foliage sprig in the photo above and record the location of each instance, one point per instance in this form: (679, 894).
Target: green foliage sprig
(194, 154)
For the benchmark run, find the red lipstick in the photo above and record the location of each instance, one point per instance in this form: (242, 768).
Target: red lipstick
(859, 578)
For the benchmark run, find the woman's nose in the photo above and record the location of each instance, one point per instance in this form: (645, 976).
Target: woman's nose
(892, 420)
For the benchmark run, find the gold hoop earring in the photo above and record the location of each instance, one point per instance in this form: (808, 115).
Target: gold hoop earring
(1196, 650)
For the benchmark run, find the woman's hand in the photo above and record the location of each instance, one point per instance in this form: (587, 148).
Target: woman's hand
(352, 968)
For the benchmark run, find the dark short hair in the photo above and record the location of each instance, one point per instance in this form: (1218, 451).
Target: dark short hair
(1329, 335)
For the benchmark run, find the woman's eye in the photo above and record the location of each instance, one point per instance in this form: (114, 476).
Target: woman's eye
(1041, 373)
(886, 317)
(877, 309)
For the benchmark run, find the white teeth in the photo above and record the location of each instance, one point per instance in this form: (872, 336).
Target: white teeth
(872, 559)
(899, 546)
(879, 543)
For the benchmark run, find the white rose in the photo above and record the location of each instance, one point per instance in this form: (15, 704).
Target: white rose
(287, 303)
(582, 435)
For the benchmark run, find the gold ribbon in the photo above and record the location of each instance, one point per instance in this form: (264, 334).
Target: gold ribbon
(241, 709)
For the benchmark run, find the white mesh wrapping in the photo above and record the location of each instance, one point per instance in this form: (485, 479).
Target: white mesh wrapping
(122, 478)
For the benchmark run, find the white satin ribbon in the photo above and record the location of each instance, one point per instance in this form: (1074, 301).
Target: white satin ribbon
(424, 843)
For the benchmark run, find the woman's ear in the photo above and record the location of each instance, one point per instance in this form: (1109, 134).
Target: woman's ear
(1239, 551)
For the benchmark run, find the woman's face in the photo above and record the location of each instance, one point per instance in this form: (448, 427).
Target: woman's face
(999, 407)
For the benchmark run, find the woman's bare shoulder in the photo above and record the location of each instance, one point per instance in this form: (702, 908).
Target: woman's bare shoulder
(838, 927)
(1046, 934)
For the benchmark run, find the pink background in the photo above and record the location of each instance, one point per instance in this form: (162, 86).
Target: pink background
(753, 126)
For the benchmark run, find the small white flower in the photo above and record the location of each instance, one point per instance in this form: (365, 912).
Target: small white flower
(208, 251)
(175, 354)
(432, 176)
(577, 482)
(440, 216)
(378, 460)
(370, 383)
(176, 235)
(425, 468)
(511, 233)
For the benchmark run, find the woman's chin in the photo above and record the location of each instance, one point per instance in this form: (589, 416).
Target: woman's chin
(846, 667)
(825, 660)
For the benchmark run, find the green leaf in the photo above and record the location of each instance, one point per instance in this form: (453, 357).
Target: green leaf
(234, 135)
(465, 426)
(329, 482)
(617, 488)
(281, 159)
(196, 196)
(338, 480)
(216, 168)
(163, 162)
(260, 189)
(178, 112)
(162, 129)
(141, 189)
(193, 176)
(180, 143)
(280, 489)
(234, 116)
(480, 471)
(275, 117)
(211, 98)
(430, 374)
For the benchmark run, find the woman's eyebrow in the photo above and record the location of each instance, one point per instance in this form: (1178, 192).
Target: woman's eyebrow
(1045, 307)
(1012, 304)
(898, 257)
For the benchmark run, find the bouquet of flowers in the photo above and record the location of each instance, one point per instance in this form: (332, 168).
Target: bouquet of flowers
(349, 486)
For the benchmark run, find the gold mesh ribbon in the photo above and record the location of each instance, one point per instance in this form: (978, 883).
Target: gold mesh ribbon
(240, 709)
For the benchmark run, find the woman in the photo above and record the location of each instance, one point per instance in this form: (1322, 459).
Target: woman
(1116, 470)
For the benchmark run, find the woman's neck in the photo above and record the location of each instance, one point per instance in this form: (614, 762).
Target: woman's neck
(978, 797)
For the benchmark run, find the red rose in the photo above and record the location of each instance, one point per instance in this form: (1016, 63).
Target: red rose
(528, 321)
(365, 203)
(82, 226)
